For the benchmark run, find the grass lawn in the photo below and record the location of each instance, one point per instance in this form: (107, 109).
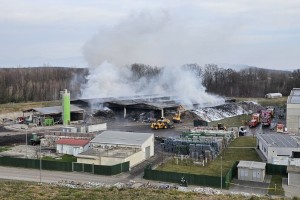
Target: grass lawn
(15, 107)
(236, 121)
(213, 168)
(64, 158)
(4, 148)
(276, 179)
(27, 190)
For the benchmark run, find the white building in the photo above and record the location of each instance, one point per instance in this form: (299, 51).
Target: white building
(277, 146)
(251, 171)
(293, 111)
(114, 147)
(293, 175)
(273, 95)
(72, 146)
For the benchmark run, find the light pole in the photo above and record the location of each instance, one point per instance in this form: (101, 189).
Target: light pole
(221, 175)
(40, 163)
(26, 141)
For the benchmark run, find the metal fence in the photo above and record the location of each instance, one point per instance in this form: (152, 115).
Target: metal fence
(64, 166)
(101, 169)
(272, 169)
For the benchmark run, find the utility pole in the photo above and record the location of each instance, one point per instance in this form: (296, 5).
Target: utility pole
(26, 141)
(221, 175)
(40, 163)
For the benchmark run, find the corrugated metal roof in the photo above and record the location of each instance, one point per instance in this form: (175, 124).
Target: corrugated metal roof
(294, 96)
(278, 140)
(72, 141)
(120, 137)
(55, 110)
(251, 164)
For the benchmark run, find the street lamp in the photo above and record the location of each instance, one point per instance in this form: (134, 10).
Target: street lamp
(221, 174)
(26, 141)
(40, 163)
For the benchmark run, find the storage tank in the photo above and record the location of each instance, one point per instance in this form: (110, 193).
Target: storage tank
(66, 105)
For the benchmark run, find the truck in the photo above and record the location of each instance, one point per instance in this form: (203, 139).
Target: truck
(255, 120)
(265, 118)
(280, 127)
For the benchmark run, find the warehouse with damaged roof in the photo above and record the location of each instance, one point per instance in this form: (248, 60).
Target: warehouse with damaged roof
(115, 147)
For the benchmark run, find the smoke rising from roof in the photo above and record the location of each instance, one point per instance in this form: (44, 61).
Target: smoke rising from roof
(142, 38)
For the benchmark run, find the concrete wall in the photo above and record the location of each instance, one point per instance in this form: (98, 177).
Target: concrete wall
(292, 118)
(96, 127)
(148, 142)
(136, 158)
(294, 179)
(249, 174)
(89, 160)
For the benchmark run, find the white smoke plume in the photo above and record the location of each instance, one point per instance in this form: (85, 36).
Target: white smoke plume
(141, 38)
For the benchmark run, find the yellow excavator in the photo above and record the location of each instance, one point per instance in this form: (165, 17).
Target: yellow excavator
(177, 117)
(162, 123)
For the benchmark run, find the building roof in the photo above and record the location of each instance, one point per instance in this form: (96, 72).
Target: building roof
(294, 97)
(251, 164)
(54, 110)
(278, 140)
(73, 142)
(122, 138)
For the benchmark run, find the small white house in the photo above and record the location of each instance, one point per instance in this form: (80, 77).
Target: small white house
(115, 147)
(72, 146)
(251, 171)
(273, 95)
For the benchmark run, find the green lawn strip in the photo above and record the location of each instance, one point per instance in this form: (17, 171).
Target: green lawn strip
(4, 148)
(245, 141)
(64, 158)
(213, 168)
(235, 121)
(276, 179)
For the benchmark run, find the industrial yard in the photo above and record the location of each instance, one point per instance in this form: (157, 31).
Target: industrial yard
(185, 147)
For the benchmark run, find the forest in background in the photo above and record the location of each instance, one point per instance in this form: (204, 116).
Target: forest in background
(45, 83)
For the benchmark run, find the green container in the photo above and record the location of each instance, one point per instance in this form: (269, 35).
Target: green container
(48, 122)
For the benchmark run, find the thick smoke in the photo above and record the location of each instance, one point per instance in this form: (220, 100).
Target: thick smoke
(141, 38)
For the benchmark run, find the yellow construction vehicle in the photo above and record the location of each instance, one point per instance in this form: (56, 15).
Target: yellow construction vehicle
(177, 117)
(162, 123)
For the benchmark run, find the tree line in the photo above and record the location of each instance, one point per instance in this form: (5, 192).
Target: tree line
(45, 83)
(39, 83)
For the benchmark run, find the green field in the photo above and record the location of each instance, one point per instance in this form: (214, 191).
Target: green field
(4, 148)
(16, 107)
(276, 179)
(64, 158)
(213, 168)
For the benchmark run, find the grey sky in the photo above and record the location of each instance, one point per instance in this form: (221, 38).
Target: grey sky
(170, 32)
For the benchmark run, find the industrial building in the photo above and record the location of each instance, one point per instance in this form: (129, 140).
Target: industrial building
(114, 147)
(55, 113)
(293, 111)
(72, 146)
(276, 145)
(251, 171)
(125, 105)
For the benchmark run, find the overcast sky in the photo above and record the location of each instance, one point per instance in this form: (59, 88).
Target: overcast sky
(262, 33)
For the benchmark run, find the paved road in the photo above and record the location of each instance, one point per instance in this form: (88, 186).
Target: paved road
(55, 176)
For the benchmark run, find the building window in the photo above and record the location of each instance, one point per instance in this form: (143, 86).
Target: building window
(265, 149)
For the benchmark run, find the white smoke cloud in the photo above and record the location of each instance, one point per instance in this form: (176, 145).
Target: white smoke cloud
(148, 39)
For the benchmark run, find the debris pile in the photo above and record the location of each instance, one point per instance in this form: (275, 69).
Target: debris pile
(139, 185)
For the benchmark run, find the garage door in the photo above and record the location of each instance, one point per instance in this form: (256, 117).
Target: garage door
(147, 152)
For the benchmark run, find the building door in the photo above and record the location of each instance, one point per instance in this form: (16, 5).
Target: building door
(147, 152)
